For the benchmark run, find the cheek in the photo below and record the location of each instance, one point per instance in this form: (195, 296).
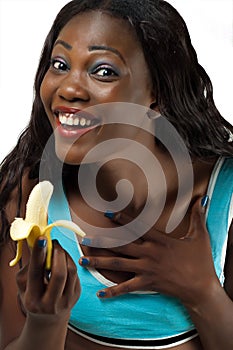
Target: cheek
(142, 92)
(137, 91)
(43, 93)
(46, 91)
(142, 84)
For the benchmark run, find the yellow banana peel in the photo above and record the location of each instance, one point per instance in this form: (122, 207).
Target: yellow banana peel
(35, 223)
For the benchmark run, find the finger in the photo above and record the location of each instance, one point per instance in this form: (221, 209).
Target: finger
(112, 242)
(126, 287)
(72, 283)
(134, 228)
(21, 279)
(119, 218)
(134, 250)
(197, 218)
(35, 284)
(111, 263)
(58, 276)
(139, 225)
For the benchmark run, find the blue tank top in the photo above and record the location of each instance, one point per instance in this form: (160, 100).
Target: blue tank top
(152, 319)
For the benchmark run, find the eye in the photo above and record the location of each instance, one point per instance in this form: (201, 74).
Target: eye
(58, 64)
(105, 73)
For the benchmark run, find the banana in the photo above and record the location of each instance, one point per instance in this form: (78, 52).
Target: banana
(35, 223)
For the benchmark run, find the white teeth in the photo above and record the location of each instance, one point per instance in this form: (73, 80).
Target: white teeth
(62, 120)
(82, 121)
(71, 120)
(76, 121)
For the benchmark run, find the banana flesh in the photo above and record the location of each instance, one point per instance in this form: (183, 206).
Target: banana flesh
(35, 223)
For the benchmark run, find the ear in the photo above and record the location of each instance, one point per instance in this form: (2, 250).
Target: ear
(154, 105)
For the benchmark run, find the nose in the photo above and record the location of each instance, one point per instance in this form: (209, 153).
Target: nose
(73, 88)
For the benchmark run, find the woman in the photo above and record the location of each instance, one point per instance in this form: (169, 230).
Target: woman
(165, 290)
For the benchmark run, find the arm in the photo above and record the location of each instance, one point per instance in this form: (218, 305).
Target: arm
(188, 274)
(34, 312)
(46, 305)
(213, 314)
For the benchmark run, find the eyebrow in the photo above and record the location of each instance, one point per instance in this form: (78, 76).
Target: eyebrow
(92, 48)
(106, 48)
(63, 43)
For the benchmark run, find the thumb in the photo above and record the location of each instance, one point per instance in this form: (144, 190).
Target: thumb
(197, 217)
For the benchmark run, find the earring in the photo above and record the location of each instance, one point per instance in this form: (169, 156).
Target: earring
(153, 112)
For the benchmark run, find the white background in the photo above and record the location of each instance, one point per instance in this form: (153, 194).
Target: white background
(25, 23)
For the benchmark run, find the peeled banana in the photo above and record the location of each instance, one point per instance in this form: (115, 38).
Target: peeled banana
(35, 223)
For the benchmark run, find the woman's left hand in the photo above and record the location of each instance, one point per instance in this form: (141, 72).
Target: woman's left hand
(181, 268)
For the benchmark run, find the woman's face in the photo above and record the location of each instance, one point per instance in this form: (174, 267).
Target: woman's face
(96, 59)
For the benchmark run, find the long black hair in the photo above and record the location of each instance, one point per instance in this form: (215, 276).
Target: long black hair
(183, 90)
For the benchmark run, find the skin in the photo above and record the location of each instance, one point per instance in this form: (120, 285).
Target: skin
(84, 84)
(188, 273)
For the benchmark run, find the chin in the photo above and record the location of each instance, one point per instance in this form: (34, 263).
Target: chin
(68, 155)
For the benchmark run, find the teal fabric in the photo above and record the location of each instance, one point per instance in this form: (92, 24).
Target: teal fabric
(140, 316)
(217, 220)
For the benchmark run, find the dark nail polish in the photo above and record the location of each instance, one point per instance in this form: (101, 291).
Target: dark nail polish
(42, 243)
(86, 241)
(47, 274)
(85, 262)
(204, 201)
(55, 241)
(109, 214)
(101, 294)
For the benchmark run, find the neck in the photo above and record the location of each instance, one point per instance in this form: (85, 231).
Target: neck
(129, 183)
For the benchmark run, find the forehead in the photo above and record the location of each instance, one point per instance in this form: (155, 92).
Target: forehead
(96, 27)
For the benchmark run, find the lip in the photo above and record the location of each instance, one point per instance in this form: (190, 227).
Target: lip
(74, 132)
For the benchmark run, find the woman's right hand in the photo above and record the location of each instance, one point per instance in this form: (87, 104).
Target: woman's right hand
(48, 299)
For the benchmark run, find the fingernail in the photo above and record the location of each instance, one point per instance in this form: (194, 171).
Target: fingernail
(109, 214)
(42, 243)
(55, 241)
(204, 201)
(86, 241)
(47, 274)
(101, 294)
(85, 262)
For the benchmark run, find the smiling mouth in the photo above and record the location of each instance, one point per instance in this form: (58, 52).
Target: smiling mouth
(80, 120)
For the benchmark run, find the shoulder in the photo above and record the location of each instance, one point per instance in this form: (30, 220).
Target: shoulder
(229, 257)
(27, 185)
(14, 202)
(9, 306)
(228, 285)
(229, 169)
(228, 165)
